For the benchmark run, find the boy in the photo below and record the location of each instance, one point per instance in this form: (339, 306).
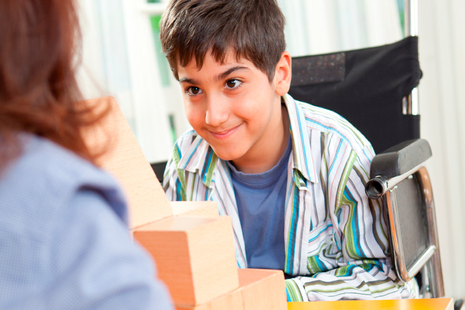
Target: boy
(290, 175)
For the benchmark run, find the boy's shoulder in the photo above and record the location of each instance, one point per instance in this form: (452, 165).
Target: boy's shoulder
(330, 122)
(322, 118)
(323, 122)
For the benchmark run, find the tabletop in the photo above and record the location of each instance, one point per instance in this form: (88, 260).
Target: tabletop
(402, 304)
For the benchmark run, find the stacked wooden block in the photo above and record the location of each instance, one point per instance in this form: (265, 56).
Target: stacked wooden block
(191, 244)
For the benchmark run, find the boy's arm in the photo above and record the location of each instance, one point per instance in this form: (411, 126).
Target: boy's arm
(354, 262)
(357, 281)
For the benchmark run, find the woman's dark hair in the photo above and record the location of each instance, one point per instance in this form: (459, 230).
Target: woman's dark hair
(252, 29)
(39, 49)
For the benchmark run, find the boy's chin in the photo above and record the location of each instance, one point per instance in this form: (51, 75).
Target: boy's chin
(227, 154)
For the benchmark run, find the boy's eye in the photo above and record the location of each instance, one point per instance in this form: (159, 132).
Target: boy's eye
(233, 83)
(192, 90)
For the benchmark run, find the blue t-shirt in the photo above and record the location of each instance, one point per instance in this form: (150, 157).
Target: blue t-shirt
(260, 200)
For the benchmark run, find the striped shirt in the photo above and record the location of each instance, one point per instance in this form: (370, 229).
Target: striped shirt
(336, 244)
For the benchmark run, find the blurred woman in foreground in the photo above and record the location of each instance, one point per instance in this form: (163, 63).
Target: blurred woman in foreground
(64, 242)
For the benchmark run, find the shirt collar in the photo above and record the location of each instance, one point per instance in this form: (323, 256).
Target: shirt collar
(199, 157)
(302, 154)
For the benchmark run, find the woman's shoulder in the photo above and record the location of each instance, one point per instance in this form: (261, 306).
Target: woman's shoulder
(57, 165)
(46, 176)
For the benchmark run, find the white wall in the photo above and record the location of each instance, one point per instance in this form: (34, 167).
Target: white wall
(442, 108)
(119, 60)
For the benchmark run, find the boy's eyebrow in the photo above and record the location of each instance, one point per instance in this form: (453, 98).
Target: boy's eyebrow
(229, 71)
(187, 80)
(219, 77)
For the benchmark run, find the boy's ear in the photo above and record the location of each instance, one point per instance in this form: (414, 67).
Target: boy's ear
(283, 74)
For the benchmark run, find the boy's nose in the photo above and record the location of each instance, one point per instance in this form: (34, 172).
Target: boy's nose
(217, 111)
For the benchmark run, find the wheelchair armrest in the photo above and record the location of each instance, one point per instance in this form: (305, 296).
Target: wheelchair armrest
(395, 164)
(401, 158)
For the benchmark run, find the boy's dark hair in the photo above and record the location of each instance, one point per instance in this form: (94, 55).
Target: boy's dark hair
(252, 29)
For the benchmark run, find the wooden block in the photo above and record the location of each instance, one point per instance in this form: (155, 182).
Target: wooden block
(405, 304)
(260, 289)
(125, 160)
(229, 301)
(195, 208)
(194, 256)
(263, 289)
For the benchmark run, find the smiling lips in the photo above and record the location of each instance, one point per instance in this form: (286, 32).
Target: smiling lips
(224, 134)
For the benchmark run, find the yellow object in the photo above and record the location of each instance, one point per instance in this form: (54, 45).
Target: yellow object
(402, 304)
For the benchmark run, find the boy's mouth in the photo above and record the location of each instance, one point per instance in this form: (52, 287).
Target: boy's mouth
(223, 134)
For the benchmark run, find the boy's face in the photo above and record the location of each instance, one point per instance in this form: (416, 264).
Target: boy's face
(235, 108)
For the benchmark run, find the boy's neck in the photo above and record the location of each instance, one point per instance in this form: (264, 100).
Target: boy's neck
(270, 153)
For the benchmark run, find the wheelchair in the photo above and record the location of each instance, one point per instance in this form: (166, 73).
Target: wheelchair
(374, 86)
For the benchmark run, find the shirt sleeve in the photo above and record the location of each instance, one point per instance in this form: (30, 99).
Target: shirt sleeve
(353, 260)
(94, 264)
